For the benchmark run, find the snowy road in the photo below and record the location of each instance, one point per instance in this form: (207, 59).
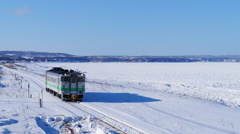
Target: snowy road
(151, 111)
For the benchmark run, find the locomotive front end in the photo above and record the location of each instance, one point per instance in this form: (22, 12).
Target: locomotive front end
(73, 86)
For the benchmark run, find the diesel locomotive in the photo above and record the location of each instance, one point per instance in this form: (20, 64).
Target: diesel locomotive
(68, 85)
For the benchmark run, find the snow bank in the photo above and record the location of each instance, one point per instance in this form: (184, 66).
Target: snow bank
(70, 124)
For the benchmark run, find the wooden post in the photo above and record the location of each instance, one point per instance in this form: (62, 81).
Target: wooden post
(42, 95)
(28, 89)
(40, 103)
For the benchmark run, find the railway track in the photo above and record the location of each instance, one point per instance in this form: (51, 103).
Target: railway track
(103, 118)
(121, 127)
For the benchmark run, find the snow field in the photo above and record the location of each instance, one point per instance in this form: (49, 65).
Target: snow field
(17, 111)
(22, 114)
(219, 82)
(160, 97)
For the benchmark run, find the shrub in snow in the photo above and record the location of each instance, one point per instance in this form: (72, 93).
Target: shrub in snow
(58, 118)
(68, 119)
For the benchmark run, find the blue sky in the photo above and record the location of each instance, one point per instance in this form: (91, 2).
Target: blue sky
(121, 27)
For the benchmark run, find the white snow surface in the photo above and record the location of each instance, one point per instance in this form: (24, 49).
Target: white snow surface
(178, 98)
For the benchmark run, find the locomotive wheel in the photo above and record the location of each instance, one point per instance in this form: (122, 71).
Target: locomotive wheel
(59, 96)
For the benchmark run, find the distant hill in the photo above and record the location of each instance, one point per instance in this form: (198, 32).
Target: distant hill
(12, 56)
(32, 54)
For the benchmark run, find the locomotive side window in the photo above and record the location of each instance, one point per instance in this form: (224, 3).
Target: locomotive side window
(51, 79)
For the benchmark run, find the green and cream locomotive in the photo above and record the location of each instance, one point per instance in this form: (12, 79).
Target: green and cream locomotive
(68, 85)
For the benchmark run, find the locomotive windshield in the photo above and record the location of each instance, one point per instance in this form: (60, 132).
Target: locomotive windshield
(65, 79)
(81, 79)
(73, 80)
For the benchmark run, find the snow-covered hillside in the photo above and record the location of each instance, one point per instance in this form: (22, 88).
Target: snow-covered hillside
(182, 98)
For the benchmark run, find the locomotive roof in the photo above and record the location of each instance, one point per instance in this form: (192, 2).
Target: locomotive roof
(60, 70)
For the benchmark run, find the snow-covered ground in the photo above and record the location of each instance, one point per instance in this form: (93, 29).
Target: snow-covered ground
(20, 112)
(182, 98)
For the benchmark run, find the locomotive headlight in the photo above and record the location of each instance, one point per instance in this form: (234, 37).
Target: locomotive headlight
(82, 74)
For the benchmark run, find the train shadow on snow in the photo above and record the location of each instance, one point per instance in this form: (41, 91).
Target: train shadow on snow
(116, 98)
